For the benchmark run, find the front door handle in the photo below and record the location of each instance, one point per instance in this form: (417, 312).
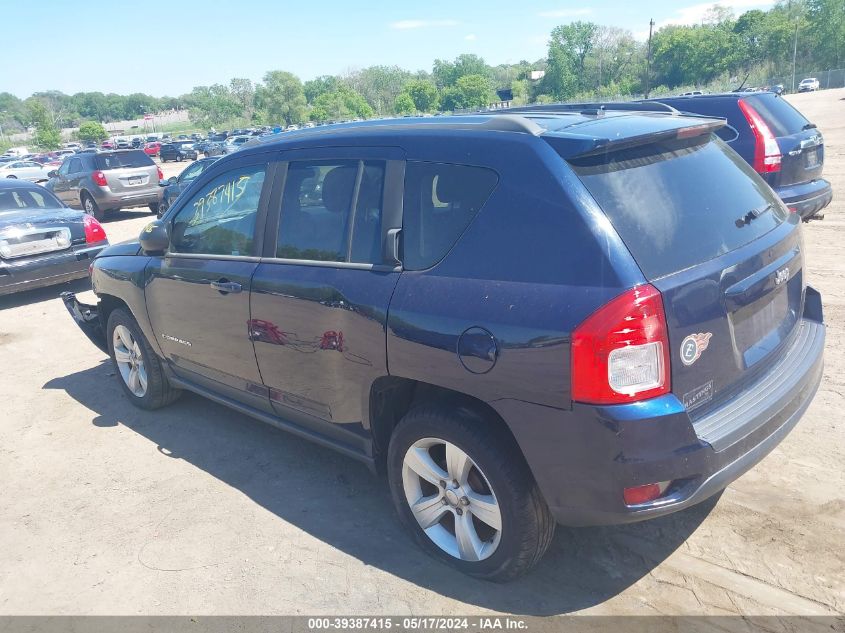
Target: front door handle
(225, 287)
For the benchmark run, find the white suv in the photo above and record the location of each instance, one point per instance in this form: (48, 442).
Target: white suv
(809, 84)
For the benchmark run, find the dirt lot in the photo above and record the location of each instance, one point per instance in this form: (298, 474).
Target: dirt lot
(106, 509)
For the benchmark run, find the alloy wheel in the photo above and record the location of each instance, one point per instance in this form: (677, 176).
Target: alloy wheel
(130, 361)
(451, 499)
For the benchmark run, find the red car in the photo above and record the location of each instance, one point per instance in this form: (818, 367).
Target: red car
(151, 149)
(107, 145)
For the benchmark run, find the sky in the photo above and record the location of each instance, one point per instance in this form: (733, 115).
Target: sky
(166, 48)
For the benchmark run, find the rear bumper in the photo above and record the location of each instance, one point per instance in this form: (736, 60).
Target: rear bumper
(584, 458)
(108, 199)
(807, 198)
(50, 269)
(87, 317)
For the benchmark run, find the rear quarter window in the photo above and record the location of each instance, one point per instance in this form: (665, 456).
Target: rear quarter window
(679, 203)
(440, 201)
(121, 160)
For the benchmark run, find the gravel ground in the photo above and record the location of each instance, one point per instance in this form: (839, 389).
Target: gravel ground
(195, 509)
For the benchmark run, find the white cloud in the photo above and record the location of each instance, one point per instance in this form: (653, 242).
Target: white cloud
(403, 25)
(695, 13)
(564, 13)
(471, 37)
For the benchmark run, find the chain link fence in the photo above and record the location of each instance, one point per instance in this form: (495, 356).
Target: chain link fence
(833, 78)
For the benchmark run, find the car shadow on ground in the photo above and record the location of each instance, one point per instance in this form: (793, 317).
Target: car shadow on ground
(337, 500)
(28, 297)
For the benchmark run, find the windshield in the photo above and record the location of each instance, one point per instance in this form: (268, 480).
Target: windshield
(679, 203)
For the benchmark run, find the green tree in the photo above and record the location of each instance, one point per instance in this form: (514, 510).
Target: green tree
(569, 46)
(92, 131)
(475, 90)
(447, 73)
(212, 105)
(423, 94)
(47, 135)
(243, 92)
(379, 85)
(404, 104)
(281, 98)
(341, 104)
(319, 85)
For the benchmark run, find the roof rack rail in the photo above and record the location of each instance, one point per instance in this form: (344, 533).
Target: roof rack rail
(590, 107)
(510, 122)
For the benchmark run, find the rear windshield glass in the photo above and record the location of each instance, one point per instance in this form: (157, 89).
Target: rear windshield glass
(27, 199)
(122, 160)
(781, 117)
(681, 202)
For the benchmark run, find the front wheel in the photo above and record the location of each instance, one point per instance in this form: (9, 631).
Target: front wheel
(461, 487)
(140, 370)
(155, 207)
(178, 158)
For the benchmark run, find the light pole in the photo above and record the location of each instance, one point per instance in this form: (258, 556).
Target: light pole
(795, 51)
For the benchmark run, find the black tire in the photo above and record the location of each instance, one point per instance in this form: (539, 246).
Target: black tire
(159, 392)
(162, 208)
(154, 208)
(90, 206)
(12, 177)
(527, 526)
(178, 158)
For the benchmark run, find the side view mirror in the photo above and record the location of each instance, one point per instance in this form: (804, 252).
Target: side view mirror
(172, 180)
(154, 238)
(52, 173)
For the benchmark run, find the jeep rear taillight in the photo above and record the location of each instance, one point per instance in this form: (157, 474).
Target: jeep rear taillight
(99, 179)
(767, 155)
(160, 173)
(620, 353)
(94, 231)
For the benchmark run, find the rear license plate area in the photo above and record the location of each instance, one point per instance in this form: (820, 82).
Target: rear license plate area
(811, 158)
(135, 180)
(760, 327)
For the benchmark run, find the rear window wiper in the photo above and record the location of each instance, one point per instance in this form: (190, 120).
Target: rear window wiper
(753, 215)
(809, 126)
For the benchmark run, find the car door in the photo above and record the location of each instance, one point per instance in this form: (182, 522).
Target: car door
(320, 295)
(60, 184)
(197, 294)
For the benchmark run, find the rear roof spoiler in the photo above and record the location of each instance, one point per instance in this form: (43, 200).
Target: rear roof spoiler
(573, 145)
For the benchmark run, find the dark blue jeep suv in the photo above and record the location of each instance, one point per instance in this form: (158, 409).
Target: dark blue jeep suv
(584, 317)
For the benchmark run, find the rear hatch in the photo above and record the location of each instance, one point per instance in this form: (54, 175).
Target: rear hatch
(722, 249)
(801, 144)
(128, 172)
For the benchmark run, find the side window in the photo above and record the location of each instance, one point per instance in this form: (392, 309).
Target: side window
(191, 172)
(320, 213)
(64, 168)
(440, 201)
(220, 218)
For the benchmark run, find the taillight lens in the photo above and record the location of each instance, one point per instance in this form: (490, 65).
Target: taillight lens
(767, 155)
(94, 231)
(99, 179)
(160, 173)
(620, 353)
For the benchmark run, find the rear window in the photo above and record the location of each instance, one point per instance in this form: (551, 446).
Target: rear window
(681, 202)
(781, 117)
(28, 199)
(122, 160)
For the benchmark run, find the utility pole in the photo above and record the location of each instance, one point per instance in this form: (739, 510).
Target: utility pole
(648, 59)
(795, 51)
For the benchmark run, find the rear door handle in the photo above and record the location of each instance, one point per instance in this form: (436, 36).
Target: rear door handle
(226, 287)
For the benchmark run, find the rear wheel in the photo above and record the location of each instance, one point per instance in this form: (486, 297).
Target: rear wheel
(12, 177)
(163, 206)
(461, 488)
(178, 158)
(155, 207)
(139, 369)
(90, 206)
